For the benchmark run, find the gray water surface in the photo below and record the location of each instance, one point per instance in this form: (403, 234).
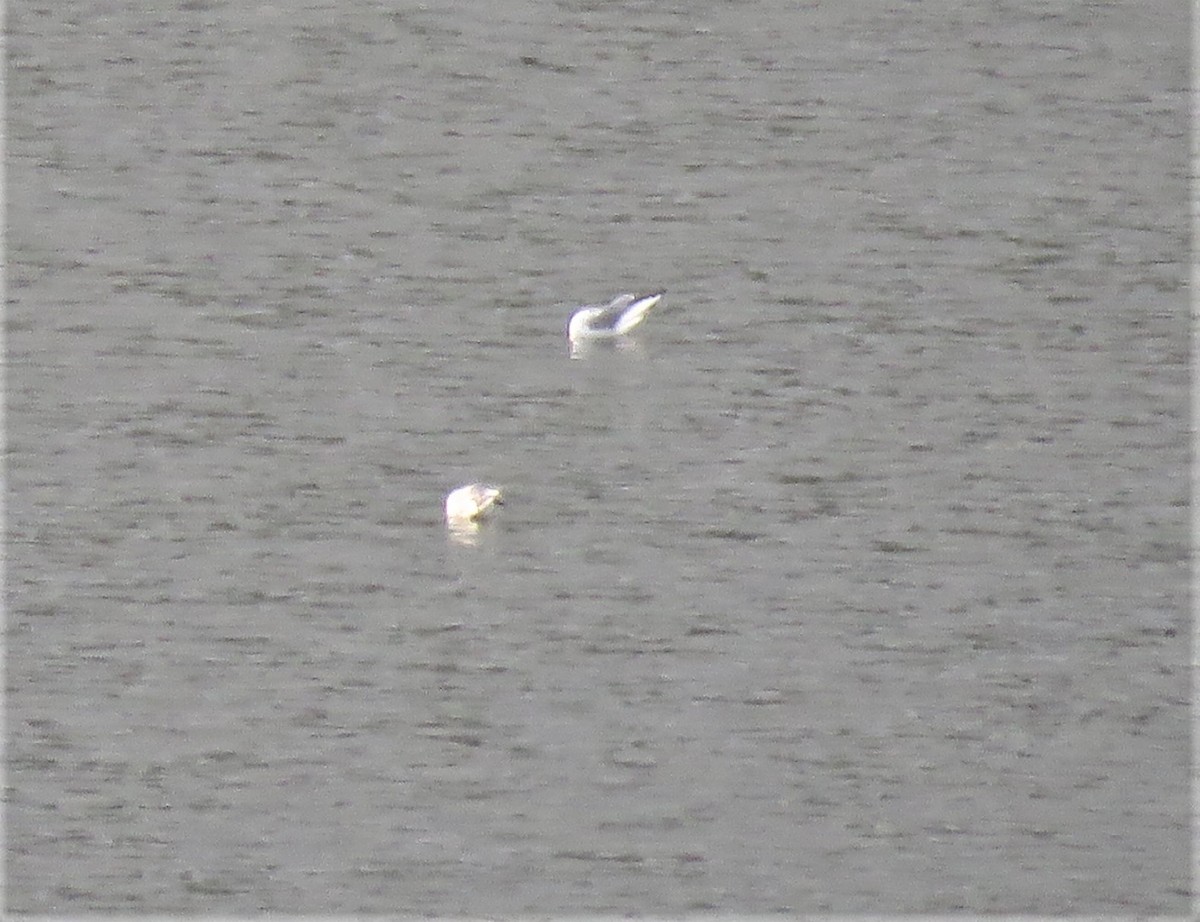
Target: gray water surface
(857, 582)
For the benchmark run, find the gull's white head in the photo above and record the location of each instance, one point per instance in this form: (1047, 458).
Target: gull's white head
(466, 504)
(578, 327)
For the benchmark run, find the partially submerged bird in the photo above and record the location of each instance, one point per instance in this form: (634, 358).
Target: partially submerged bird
(606, 321)
(466, 504)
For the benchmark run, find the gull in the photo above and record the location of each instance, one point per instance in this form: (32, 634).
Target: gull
(466, 504)
(607, 321)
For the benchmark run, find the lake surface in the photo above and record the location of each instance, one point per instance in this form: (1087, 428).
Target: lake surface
(857, 582)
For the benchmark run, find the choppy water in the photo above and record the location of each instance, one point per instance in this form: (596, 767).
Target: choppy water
(858, 583)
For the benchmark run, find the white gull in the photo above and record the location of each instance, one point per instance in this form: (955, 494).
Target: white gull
(468, 503)
(606, 321)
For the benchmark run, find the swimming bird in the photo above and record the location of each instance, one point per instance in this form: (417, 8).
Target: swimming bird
(468, 503)
(606, 321)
